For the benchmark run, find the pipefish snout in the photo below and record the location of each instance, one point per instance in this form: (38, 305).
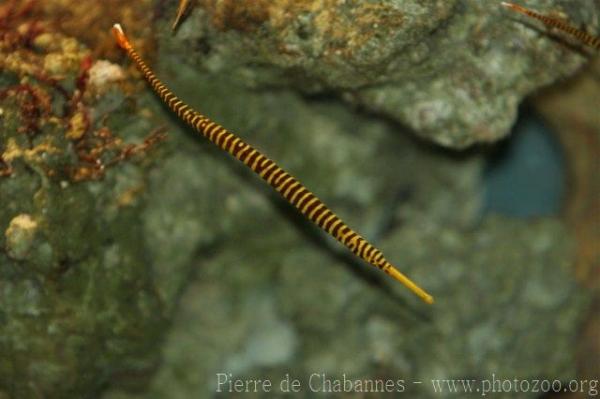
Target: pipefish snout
(285, 184)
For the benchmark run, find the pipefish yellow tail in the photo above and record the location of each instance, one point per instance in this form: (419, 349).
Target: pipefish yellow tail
(559, 24)
(290, 188)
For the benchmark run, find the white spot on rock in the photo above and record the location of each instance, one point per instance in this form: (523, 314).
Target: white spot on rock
(104, 73)
(20, 236)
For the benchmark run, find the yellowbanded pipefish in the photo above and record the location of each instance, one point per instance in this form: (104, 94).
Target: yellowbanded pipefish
(289, 188)
(181, 11)
(559, 24)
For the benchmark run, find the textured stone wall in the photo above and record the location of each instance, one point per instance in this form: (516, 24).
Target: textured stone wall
(453, 72)
(144, 278)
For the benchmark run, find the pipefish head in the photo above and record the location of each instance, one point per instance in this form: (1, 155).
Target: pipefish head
(120, 37)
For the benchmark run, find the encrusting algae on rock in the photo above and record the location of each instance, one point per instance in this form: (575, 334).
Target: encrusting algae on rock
(56, 84)
(72, 275)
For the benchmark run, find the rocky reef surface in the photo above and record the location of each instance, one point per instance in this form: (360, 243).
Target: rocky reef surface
(78, 304)
(453, 71)
(137, 267)
(571, 109)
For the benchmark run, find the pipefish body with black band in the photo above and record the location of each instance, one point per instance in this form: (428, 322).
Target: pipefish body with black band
(290, 188)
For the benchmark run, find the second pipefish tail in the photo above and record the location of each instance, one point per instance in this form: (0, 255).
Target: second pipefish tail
(290, 188)
(579, 34)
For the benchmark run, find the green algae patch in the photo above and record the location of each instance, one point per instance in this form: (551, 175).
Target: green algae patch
(78, 304)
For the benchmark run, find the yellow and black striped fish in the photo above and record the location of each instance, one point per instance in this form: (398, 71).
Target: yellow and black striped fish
(181, 11)
(290, 188)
